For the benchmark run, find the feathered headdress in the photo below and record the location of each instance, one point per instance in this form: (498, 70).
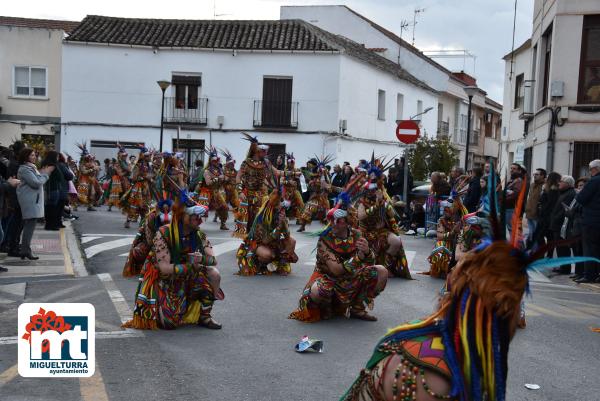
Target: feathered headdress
(267, 213)
(290, 157)
(254, 144)
(212, 153)
(83, 151)
(122, 151)
(228, 156)
(142, 148)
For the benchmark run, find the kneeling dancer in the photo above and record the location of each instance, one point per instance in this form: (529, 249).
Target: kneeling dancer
(345, 280)
(179, 281)
(268, 247)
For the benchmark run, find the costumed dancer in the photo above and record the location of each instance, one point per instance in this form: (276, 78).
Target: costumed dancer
(291, 182)
(319, 187)
(346, 280)
(377, 220)
(230, 173)
(460, 352)
(214, 179)
(136, 202)
(119, 182)
(269, 247)
(86, 181)
(170, 177)
(142, 243)
(251, 182)
(179, 281)
(471, 234)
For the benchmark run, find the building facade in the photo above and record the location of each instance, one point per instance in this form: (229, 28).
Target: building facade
(30, 78)
(295, 86)
(559, 88)
(452, 104)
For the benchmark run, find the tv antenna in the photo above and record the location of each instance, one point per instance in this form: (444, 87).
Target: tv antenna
(215, 15)
(417, 11)
(404, 24)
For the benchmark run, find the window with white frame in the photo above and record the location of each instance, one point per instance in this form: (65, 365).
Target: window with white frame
(30, 81)
(399, 106)
(419, 107)
(381, 105)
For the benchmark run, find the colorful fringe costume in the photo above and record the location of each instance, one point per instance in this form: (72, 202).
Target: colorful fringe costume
(142, 243)
(290, 177)
(319, 186)
(253, 177)
(136, 201)
(214, 178)
(441, 255)
(119, 180)
(271, 232)
(167, 301)
(230, 173)
(88, 189)
(170, 177)
(353, 291)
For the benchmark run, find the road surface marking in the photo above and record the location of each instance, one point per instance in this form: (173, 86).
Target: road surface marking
(66, 254)
(57, 294)
(100, 335)
(86, 239)
(9, 374)
(225, 247)
(106, 246)
(537, 276)
(93, 388)
(116, 297)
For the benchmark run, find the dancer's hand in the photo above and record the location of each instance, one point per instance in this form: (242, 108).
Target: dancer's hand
(363, 247)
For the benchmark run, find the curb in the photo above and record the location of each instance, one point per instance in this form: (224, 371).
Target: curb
(74, 262)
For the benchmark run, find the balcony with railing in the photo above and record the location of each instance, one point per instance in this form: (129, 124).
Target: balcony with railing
(186, 111)
(275, 114)
(443, 129)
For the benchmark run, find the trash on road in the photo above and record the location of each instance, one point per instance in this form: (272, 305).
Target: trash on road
(307, 344)
(532, 386)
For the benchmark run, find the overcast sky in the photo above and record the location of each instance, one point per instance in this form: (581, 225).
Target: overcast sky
(484, 27)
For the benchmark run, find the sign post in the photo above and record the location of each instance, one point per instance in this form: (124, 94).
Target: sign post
(407, 132)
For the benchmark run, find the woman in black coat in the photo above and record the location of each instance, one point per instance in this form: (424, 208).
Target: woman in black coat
(548, 200)
(57, 189)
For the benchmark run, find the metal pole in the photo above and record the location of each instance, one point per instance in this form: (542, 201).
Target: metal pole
(162, 115)
(468, 135)
(405, 190)
(178, 132)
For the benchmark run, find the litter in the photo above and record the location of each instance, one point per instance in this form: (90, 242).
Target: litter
(309, 344)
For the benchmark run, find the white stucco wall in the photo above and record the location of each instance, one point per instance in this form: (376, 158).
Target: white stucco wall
(359, 86)
(342, 21)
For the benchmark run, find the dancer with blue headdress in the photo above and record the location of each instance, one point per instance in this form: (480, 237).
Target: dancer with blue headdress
(319, 186)
(460, 352)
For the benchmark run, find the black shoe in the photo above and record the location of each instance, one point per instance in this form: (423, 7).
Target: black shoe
(62, 226)
(51, 228)
(584, 280)
(29, 256)
(14, 254)
(597, 280)
(3, 269)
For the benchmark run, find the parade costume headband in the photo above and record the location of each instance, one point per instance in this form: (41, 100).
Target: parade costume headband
(255, 146)
(122, 151)
(212, 153)
(228, 156)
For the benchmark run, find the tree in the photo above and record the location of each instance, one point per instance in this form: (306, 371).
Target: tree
(431, 155)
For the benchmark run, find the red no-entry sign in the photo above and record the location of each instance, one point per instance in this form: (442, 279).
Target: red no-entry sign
(407, 131)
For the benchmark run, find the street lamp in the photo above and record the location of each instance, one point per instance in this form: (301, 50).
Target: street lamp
(427, 110)
(163, 87)
(470, 91)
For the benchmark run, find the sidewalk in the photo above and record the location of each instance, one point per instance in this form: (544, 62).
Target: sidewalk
(55, 250)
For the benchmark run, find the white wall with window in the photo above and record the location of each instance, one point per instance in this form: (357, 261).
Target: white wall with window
(30, 81)
(30, 65)
(381, 105)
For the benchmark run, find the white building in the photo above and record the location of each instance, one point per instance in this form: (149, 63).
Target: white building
(295, 86)
(452, 101)
(558, 95)
(30, 78)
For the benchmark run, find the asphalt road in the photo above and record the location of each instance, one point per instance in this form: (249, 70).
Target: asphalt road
(252, 358)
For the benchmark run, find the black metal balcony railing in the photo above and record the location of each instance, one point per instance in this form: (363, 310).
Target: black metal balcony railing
(275, 114)
(186, 111)
(443, 128)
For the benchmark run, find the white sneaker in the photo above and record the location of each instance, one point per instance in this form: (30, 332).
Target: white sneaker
(431, 233)
(411, 232)
(421, 230)
(271, 267)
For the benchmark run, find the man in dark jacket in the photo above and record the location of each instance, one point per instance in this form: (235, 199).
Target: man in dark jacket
(5, 188)
(589, 199)
(512, 190)
(473, 195)
(15, 223)
(557, 219)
